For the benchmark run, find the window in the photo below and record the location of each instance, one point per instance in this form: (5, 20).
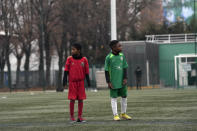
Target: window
(183, 60)
(191, 59)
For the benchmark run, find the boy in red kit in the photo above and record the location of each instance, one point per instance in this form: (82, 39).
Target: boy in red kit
(77, 69)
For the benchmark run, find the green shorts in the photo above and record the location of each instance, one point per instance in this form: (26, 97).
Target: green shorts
(114, 93)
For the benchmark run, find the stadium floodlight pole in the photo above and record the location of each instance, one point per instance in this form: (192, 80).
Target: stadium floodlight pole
(113, 20)
(195, 24)
(195, 31)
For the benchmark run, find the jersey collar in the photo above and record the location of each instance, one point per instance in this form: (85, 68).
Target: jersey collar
(120, 53)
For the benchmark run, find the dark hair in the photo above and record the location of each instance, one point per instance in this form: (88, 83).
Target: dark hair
(113, 42)
(77, 46)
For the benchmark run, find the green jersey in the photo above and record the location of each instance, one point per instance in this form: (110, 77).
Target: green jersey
(115, 65)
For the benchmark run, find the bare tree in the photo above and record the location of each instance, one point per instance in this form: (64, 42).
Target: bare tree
(96, 29)
(88, 22)
(7, 8)
(19, 53)
(29, 35)
(129, 16)
(2, 60)
(45, 19)
(59, 40)
(24, 19)
(60, 35)
(59, 23)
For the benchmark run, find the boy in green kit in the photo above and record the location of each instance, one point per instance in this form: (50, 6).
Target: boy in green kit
(116, 77)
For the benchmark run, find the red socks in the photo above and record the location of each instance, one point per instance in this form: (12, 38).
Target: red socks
(72, 105)
(80, 109)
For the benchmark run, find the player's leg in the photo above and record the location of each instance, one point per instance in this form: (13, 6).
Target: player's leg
(137, 84)
(123, 103)
(123, 94)
(72, 97)
(80, 111)
(72, 105)
(140, 84)
(114, 95)
(81, 96)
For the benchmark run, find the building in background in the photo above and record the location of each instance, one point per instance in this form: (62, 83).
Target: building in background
(168, 60)
(177, 59)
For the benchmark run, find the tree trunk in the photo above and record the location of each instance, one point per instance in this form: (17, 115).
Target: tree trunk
(59, 83)
(2, 66)
(8, 63)
(18, 71)
(26, 67)
(48, 60)
(2, 79)
(9, 73)
(41, 66)
(61, 62)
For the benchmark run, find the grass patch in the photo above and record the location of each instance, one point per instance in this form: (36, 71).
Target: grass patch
(151, 109)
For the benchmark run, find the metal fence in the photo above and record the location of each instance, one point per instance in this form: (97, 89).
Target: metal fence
(135, 55)
(171, 38)
(34, 79)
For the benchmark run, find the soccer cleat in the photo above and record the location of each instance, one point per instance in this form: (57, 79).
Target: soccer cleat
(116, 118)
(125, 116)
(80, 119)
(72, 120)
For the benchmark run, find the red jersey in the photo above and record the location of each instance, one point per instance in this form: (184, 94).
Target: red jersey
(77, 68)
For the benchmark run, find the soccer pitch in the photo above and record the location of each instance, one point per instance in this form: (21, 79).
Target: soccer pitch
(151, 109)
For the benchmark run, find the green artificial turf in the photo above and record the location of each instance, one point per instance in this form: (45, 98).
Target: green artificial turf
(151, 110)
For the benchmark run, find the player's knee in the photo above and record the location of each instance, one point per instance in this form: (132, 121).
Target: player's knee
(80, 101)
(73, 101)
(114, 97)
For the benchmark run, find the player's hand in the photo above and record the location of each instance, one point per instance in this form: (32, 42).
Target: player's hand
(110, 85)
(124, 81)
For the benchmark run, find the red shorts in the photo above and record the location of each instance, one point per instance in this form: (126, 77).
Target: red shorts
(76, 90)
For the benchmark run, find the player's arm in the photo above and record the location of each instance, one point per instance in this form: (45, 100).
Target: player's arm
(66, 71)
(65, 78)
(124, 76)
(125, 66)
(88, 79)
(87, 71)
(107, 76)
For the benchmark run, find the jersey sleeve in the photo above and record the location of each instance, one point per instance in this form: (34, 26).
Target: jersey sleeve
(107, 63)
(125, 65)
(86, 66)
(67, 65)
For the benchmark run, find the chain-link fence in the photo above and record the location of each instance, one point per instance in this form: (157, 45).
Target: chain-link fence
(34, 81)
(139, 54)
